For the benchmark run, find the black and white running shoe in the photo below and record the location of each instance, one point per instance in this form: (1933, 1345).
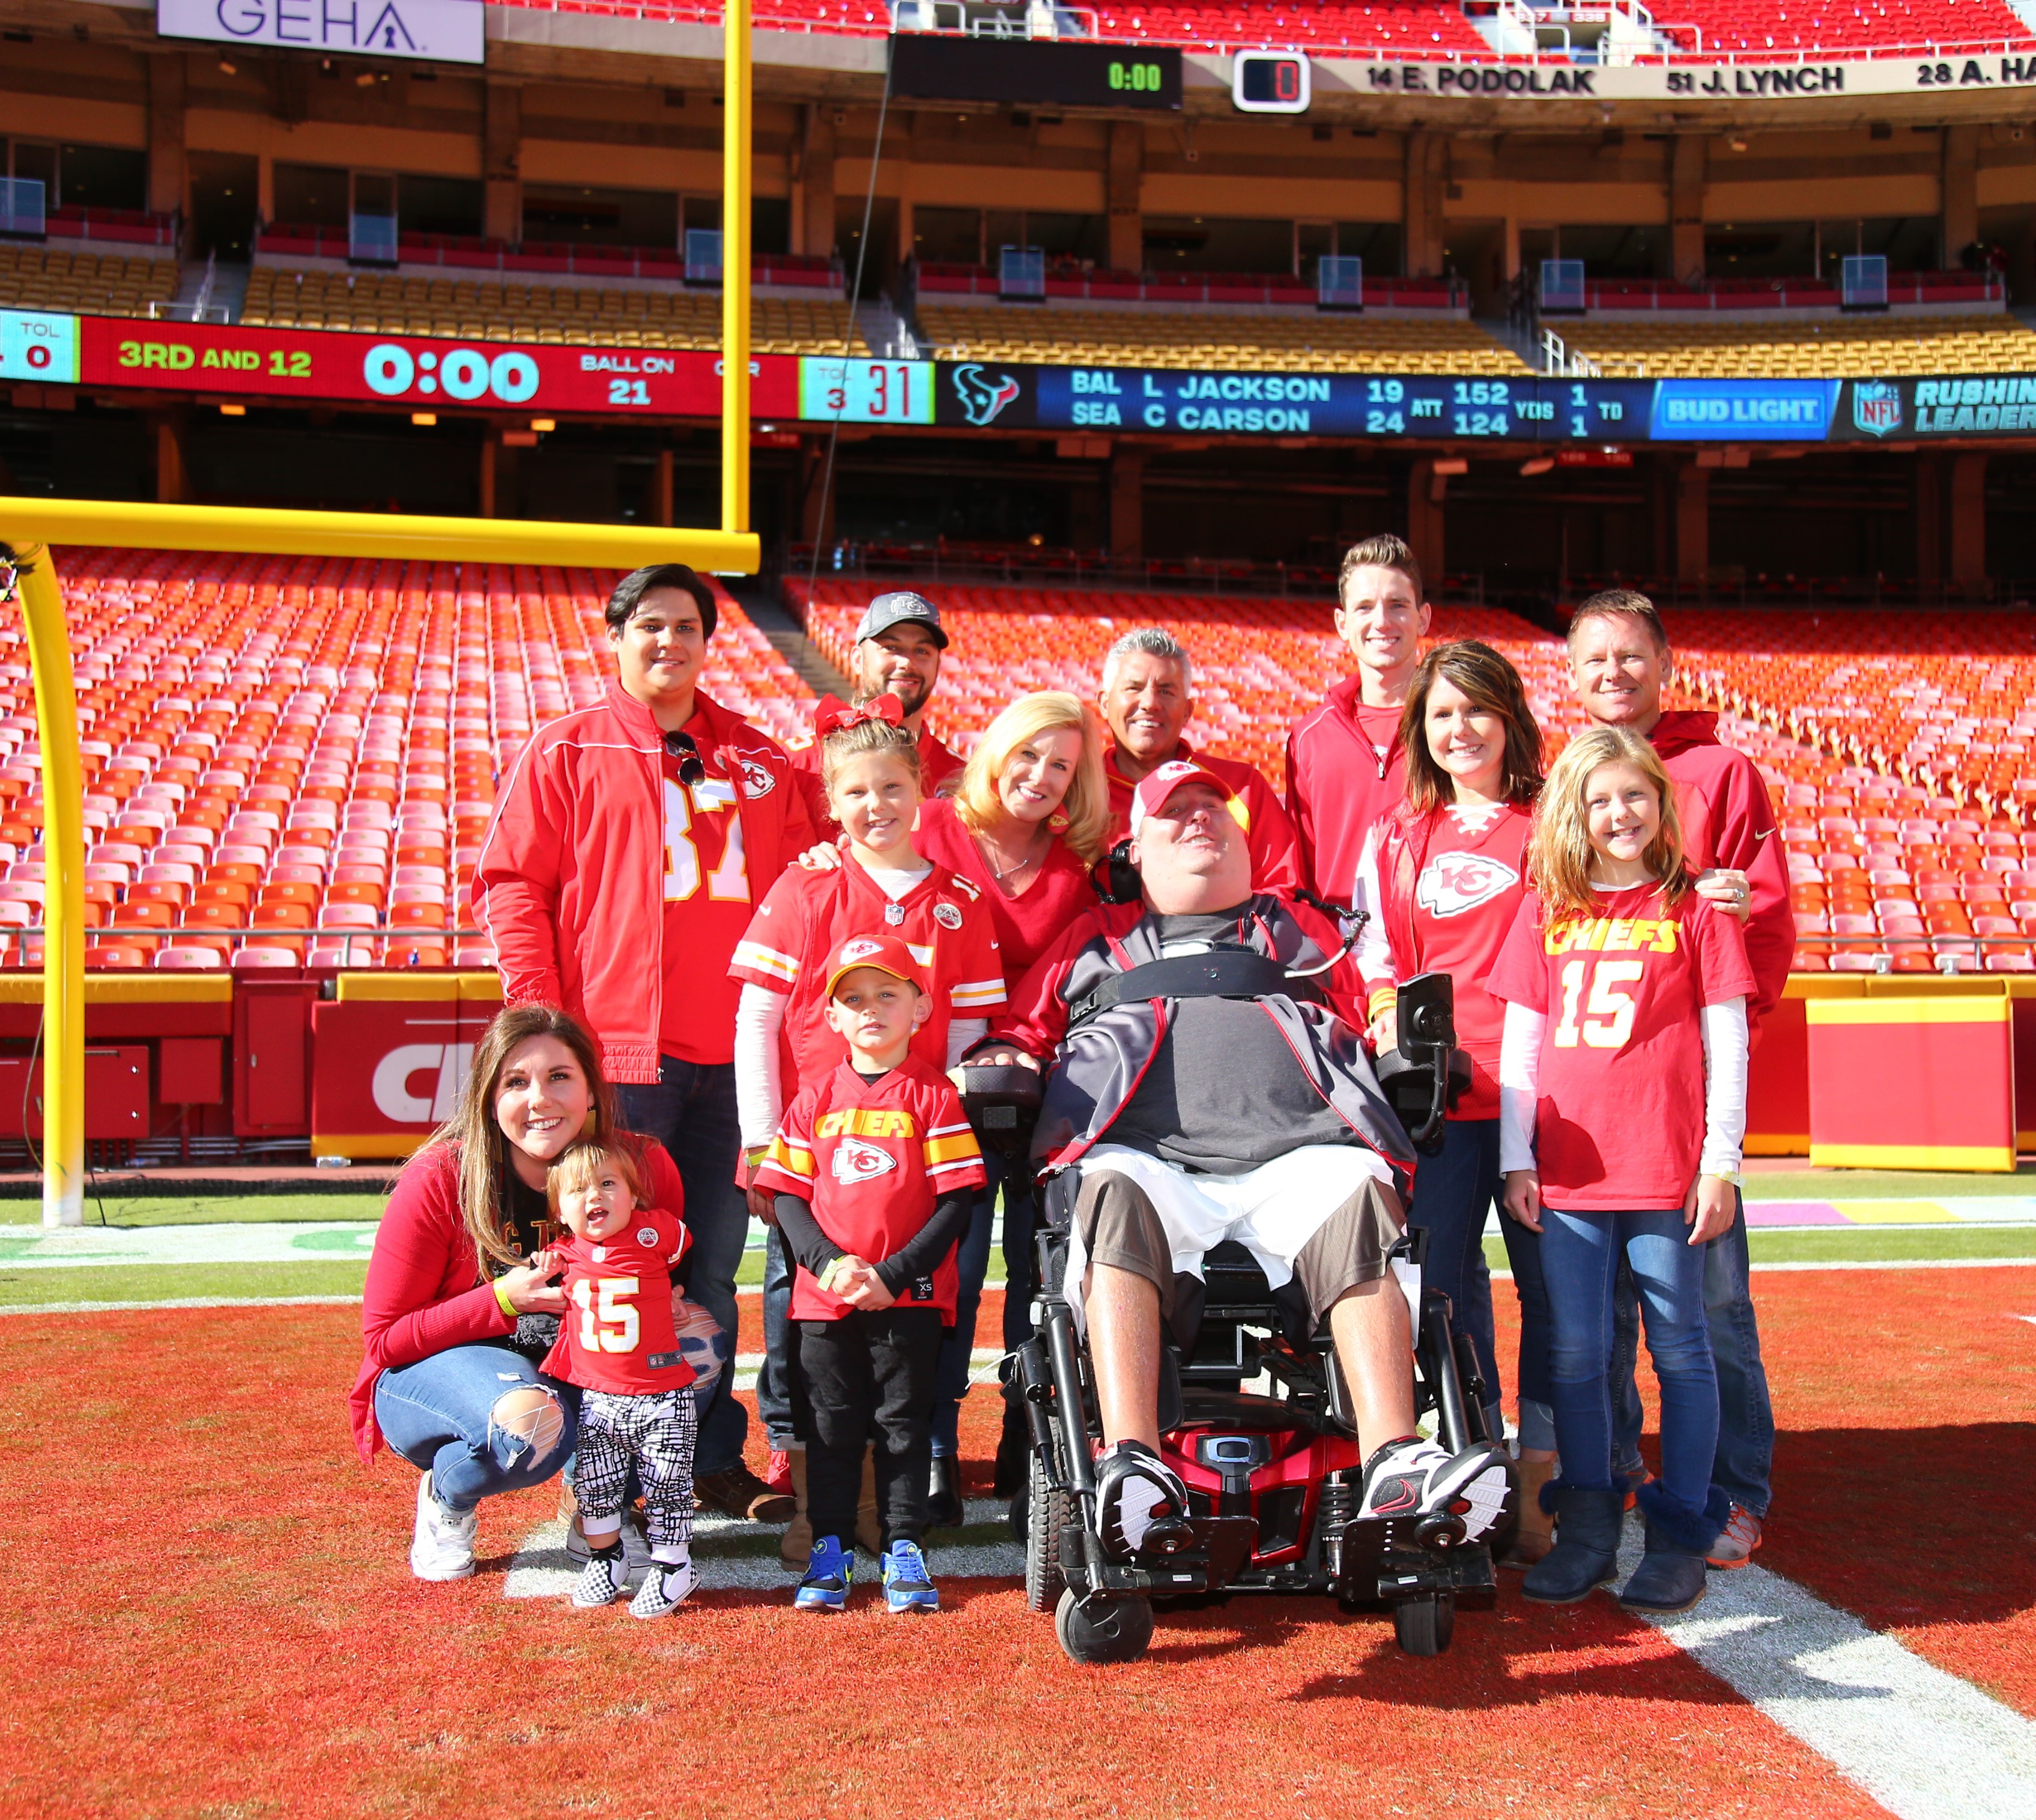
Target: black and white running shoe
(1141, 1506)
(1414, 1478)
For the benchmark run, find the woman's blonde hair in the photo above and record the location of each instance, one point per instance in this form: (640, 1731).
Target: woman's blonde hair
(580, 1164)
(1559, 858)
(480, 1151)
(1087, 803)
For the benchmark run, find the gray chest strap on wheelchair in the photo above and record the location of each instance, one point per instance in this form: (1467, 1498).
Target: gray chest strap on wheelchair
(1218, 973)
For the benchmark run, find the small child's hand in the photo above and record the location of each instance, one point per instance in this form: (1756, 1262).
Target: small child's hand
(867, 1291)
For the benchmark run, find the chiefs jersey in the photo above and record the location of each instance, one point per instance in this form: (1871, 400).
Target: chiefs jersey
(874, 1159)
(616, 1334)
(1620, 1114)
(807, 916)
(1443, 891)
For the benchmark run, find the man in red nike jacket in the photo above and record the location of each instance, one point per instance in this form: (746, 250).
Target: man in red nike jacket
(626, 855)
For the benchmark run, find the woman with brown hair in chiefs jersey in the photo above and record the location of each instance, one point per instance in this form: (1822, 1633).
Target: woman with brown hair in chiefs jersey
(1442, 878)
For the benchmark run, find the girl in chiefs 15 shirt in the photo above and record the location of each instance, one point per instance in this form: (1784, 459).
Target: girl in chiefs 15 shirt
(617, 1341)
(1443, 878)
(1622, 1089)
(874, 1171)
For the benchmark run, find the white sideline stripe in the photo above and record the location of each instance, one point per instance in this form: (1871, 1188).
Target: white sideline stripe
(181, 1302)
(1924, 1744)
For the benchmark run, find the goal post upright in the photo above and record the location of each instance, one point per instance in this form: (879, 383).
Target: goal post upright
(735, 267)
(29, 526)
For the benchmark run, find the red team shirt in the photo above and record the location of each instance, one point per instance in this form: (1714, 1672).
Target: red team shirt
(616, 1334)
(1346, 771)
(707, 903)
(807, 916)
(874, 1159)
(1619, 1118)
(1450, 888)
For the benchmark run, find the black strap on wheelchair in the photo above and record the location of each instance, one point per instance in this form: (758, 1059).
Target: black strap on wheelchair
(1220, 974)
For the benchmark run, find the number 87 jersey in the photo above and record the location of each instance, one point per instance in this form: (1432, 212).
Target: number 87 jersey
(616, 1334)
(1619, 1117)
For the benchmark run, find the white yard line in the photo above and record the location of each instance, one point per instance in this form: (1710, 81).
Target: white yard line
(1924, 1744)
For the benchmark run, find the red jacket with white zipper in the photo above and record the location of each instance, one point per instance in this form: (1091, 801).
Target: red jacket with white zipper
(571, 882)
(1346, 771)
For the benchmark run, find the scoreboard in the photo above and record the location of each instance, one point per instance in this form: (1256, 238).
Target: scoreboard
(1025, 72)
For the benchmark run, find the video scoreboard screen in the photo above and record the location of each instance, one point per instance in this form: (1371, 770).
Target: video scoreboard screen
(1025, 73)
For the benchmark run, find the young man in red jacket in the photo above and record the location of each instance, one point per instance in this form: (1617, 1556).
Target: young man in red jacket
(1148, 696)
(1345, 769)
(897, 647)
(1619, 662)
(626, 855)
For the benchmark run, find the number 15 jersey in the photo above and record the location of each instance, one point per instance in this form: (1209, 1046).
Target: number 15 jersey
(616, 1334)
(1618, 1124)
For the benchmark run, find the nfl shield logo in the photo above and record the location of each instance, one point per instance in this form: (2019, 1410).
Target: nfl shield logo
(1876, 406)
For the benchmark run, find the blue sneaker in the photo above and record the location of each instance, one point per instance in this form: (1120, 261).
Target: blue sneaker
(829, 1573)
(907, 1585)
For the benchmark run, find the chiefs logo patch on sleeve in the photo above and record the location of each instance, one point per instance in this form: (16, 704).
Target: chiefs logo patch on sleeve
(856, 1162)
(947, 915)
(1453, 883)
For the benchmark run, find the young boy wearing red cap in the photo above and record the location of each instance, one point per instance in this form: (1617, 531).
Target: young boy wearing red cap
(874, 1169)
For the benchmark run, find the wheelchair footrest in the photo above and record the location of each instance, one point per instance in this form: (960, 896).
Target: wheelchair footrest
(1382, 1559)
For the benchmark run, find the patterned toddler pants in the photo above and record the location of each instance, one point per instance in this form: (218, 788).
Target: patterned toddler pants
(655, 1434)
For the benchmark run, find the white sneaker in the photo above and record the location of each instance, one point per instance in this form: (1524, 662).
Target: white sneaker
(666, 1588)
(442, 1547)
(1416, 1476)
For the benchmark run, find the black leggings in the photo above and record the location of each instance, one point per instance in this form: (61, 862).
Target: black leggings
(868, 1376)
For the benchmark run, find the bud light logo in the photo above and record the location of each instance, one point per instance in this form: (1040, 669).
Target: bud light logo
(1877, 406)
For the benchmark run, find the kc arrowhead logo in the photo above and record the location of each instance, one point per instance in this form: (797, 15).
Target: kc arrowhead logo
(856, 1162)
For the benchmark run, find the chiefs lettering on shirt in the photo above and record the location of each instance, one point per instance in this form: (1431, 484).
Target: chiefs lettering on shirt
(873, 1158)
(1443, 891)
(1346, 771)
(1619, 1116)
(807, 917)
(616, 1334)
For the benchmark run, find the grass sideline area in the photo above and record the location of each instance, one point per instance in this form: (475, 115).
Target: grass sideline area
(1804, 1183)
(204, 1209)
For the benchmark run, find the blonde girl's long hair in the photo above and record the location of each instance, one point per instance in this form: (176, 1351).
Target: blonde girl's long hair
(1087, 803)
(479, 1151)
(1559, 858)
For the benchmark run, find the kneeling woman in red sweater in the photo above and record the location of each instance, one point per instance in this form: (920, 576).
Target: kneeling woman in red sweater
(457, 1323)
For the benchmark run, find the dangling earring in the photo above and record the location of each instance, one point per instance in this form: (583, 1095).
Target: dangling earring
(587, 1124)
(1058, 821)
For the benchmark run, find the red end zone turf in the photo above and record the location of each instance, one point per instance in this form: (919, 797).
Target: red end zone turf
(211, 1612)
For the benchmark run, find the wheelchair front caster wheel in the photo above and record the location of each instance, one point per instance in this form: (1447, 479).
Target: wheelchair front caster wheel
(1094, 1630)
(1423, 1625)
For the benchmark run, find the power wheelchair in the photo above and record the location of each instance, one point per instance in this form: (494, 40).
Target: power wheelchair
(1275, 1479)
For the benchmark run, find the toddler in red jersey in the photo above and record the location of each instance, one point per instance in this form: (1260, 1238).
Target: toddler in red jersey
(873, 1170)
(618, 1343)
(1623, 1108)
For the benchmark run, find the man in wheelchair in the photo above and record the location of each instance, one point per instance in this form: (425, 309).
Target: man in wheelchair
(1202, 1090)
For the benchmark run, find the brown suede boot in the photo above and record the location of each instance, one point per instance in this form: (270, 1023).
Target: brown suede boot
(869, 1524)
(1537, 1533)
(795, 1547)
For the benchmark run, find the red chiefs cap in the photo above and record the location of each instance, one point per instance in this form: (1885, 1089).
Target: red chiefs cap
(1159, 783)
(887, 954)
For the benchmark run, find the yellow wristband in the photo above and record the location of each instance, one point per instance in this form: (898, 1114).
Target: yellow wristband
(502, 1299)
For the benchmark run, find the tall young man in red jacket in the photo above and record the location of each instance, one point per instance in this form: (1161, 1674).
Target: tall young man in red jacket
(1345, 768)
(626, 855)
(1148, 696)
(1619, 662)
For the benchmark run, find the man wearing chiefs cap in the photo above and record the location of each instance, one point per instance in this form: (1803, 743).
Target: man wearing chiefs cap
(1181, 1111)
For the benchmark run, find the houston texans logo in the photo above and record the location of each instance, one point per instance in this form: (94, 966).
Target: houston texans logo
(983, 397)
(856, 1162)
(1452, 883)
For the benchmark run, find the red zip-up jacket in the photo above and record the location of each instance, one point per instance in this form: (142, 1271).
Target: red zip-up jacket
(1268, 831)
(570, 884)
(1721, 800)
(425, 1292)
(1338, 787)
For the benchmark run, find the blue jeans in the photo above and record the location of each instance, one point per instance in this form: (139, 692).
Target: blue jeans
(774, 1385)
(690, 1109)
(1744, 1468)
(1580, 1255)
(1453, 1192)
(437, 1415)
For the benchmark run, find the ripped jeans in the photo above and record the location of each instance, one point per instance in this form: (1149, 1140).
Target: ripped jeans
(440, 1414)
